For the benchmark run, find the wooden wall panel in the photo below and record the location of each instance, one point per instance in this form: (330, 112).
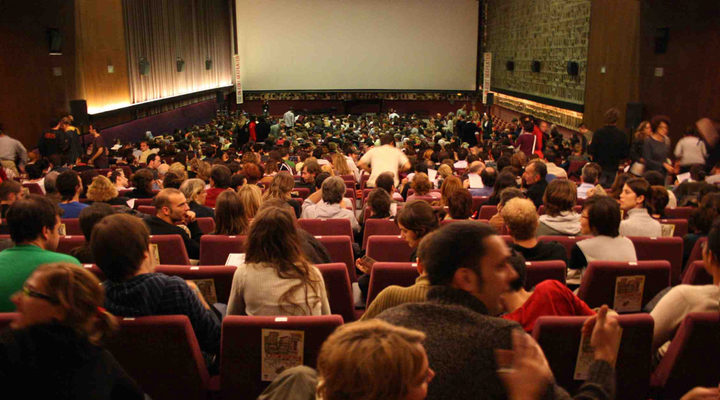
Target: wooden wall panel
(101, 42)
(614, 33)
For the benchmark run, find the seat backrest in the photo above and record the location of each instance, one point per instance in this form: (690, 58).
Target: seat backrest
(487, 212)
(379, 227)
(678, 212)
(214, 249)
(384, 274)
(696, 252)
(242, 348)
(598, 285)
(538, 271)
(559, 337)
(339, 290)
(221, 275)
(340, 250)
(567, 241)
(691, 357)
(149, 210)
(388, 248)
(7, 318)
(144, 202)
(72, 226)
(327, 227)
(681, 226)
(478, 201)
(662, 248)
(34, 188)
(156, 351)
(171, 249)
(302, 193)
(67, 243)
(206, 225)
(450, 221)
(96, 271)
(696, 274)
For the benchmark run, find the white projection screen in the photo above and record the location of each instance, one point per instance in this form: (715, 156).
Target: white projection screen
(357, 44)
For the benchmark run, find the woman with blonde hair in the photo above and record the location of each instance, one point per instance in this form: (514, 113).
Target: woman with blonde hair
(230, 215)
(340, 164)
(251, 198)
(276, 278)
(195, 194)
(643, 131)
(449, 186)
(53, 348)
(179, 169)
(281, 188)
(103, 190)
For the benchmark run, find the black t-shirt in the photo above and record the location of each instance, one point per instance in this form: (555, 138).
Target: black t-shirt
(543, 251)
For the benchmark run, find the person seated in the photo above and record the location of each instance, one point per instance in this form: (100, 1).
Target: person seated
(534, 180)
(33, 223)
(118, 178)
(251, 199)
(53, 349)
(70, 186)
(230, 215)
(10, 191)
(281, 187)
(588, 179)
(600, 218)
(120, 244)
(560, 219)
(195, 193)
(684, 299)
(549, 297)
(102, 190)
(459, 205)
(90, 216)
(655, 178)
(421, 185)
(171, 209)
(172, 180)
(504, 180)
(660, 199)
(386, 181)
(521, 221)
(142, 181)
(496, 221)
(219, 182)
(276, 278)
(635, 198)
(700, 222)
(488, 175)
(331, 194)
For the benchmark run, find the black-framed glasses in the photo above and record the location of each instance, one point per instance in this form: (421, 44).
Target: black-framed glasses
(32, 293)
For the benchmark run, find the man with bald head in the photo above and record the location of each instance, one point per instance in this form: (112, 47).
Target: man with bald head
(171, 210)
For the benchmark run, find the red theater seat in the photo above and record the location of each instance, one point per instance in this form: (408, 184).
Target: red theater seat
(538, 271)
(339, 290)
(379, 227)
(221, 275)
(340, 250)
(598, 282)
(327, 227)
(384, 274)
(388, 248)
(171, 249)
(214, 249)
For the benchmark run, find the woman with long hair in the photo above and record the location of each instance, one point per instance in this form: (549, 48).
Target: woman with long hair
(449, 186)
(53, 347)
(340, 164)
(642, 132)
(281, 188)
(102, 190)
(505, 179)
(276, 278)
(229, 215)
(251, 198)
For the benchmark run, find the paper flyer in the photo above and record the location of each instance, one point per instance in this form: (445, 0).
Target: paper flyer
(629, 293)
(62, 230)
(281, 349)
(586, 356)
(235, 259)
(668, 230)
(155, 253)
(207, 289)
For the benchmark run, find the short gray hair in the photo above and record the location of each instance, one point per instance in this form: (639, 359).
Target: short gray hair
(192, 187)
(333, 190)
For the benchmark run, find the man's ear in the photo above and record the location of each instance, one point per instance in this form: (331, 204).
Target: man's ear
(420, 267)
(464, 279)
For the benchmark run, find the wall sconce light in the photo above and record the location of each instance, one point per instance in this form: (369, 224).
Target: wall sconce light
(208, 64)
(144, 66)
(180, 63)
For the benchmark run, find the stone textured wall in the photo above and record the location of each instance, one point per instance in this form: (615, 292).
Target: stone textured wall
(550, 31)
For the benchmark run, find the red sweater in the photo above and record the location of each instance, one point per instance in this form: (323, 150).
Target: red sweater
(212, 195)
(550, 297)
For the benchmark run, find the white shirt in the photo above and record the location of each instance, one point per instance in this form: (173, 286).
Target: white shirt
(690, 150)
(381, 159)
(328, 211)
(583, 189)
(289, 119)
(640, 223)
(461, 164)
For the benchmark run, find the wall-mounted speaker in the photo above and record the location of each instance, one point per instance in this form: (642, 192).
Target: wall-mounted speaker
(54, 42)
(535, 66)
(78, 109)
(572, 68)
(633, 115)
(180, 64)
(490, 99)
(144, 66)
(662, 37)
(510, 65)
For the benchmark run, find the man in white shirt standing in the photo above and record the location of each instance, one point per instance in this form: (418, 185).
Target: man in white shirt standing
(289, 119)
(384, 158)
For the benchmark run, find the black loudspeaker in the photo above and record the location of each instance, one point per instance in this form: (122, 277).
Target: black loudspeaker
(572, 68)
(633, 115)
(510, 65)
(220, 99)
(54, 42)
(78, 109)
(662, 37)
(490, 99)
(535, 66)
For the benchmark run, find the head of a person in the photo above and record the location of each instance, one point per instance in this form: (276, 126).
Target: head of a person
(194, 190)
(448, 187)
(281, 186)
(309, 171)
(347, 372)
(590, 173)
(142, 180)
(711, 251)
(444, 171)
(416, 220)
(517, 262)
(635, 193)
(460, 204)
(220, 176)
(251, 197)
(654, 178)
(101, 189)
(659, 200)
(469, 256)
(172, 180)
(340, 164)
(68, 184)
(535, 171)
(144, 146)
(229, 214)
(611, 116)
(89, 216)
(34, 219)
(10, 191)
(643, 129)
(65, 293)
(560, 196)
(520, 218)
(421, 184)
(387, 138)
(488, 176)
(508, 194)
(179, 169)
(660, 124)
(154, 161)
(386, 181)
(600, 216)
(171, 205)
(120, 245)
(701, 219)
(320, 178)
(505, 179)
(378, 202)
(333, 190)
(618, 184)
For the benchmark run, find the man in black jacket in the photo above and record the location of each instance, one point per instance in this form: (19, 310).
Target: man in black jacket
(534, 180)
(608, 147)
(171, 208)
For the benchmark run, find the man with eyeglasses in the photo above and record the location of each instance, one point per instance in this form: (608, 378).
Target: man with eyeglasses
(33, 223)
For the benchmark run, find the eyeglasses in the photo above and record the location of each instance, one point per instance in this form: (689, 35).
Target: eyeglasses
(32, 293)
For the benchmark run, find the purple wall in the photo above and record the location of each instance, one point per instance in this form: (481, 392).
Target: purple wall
(134, 131)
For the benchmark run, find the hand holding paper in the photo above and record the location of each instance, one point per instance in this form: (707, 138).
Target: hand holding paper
(523, 370)
(606, 335)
